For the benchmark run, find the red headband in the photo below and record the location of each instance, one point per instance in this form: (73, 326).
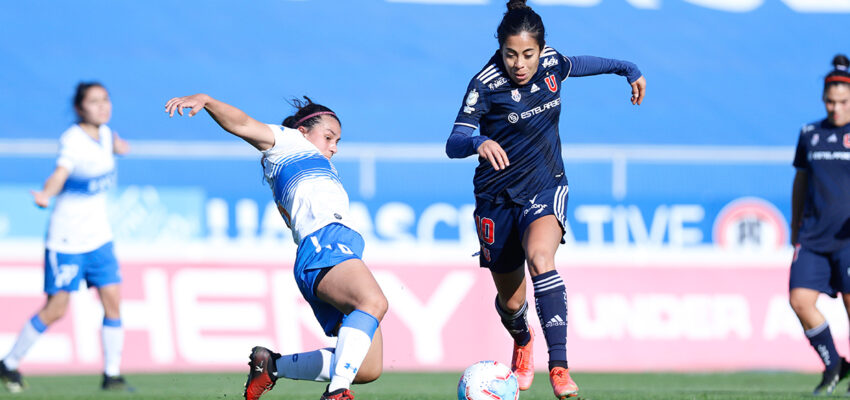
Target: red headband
(838, 79)
(297, 124)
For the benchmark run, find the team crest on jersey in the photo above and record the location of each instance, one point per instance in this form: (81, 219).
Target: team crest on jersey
(815, 139)
(471, 100)
(513, 118)
(846, 141)
(832, 139)
(515, 95)
(498, 82)
(550, 62)
(552, 83)
(534, 87)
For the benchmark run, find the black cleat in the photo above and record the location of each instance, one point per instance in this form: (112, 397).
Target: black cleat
(831, 377)
(116, 383)
(12, 379)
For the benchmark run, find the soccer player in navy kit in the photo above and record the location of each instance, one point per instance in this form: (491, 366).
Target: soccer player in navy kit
(520, 187)
(79, 239)
(344, 296)
(820, 221)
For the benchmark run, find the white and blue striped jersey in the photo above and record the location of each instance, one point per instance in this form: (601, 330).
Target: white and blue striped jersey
(306, 186)
(79, 223)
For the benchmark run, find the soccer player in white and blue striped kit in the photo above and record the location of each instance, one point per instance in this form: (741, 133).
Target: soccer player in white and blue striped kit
(345, 297)
(521, 189)
(79, 238)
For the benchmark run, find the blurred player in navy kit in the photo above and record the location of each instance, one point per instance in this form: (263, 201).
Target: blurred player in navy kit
(820, 220)
(520, 187)
(79, 238)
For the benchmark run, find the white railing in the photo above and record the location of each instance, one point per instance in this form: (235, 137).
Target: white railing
(368, 154)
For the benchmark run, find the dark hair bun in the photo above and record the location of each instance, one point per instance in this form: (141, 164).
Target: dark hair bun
(840, 62)
(516, 4)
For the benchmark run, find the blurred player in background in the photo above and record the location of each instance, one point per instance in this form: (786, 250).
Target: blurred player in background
(520, 186)
(79, 238)
(820, 220)
(344, 295)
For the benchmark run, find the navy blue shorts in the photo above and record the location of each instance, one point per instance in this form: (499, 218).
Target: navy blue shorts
(63, 271)
(825, 272)
(319, 251)
(502, 226)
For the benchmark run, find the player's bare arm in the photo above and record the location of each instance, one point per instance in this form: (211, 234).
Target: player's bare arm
(228, 117)
(52, 186)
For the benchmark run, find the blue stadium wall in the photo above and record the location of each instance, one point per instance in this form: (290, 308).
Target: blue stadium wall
(729, 85)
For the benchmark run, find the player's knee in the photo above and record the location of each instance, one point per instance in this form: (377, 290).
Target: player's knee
(801, 305)
(377, 305)
(540, 262)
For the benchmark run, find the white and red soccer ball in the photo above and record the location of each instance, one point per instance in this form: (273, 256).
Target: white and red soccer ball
(488, 380)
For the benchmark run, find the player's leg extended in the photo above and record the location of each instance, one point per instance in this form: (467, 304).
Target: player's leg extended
(811, 275)
(540, 241)
(820, 337)
(350, 287)
(513, 310)
(54, 309)
(316, 365)
(112, 337)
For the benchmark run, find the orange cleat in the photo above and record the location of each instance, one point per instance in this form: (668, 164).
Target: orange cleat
(262, 374)
(522, 363)
(562, 384)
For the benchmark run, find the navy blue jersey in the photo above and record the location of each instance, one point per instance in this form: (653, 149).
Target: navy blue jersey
(823, 151)
(523, 120)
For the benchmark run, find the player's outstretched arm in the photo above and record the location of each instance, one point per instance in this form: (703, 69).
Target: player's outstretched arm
(228, 117)
(119, 145)
(590, 65)
(52, 186)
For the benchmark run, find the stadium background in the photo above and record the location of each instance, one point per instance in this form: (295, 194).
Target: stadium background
(677, 252)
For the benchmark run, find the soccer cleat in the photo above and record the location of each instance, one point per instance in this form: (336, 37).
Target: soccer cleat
(339, 394)
(262, 374)
(116, 383)
(522, 363)
(831, 377)
(562, 384)
(12, 379)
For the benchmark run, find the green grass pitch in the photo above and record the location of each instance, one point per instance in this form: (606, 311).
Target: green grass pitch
(427, 386)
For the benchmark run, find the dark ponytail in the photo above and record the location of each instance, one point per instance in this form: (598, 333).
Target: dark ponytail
(840, 74)
(521, 18)
(307, 114)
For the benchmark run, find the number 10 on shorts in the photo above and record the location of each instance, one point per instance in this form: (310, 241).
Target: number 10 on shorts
(485, 229)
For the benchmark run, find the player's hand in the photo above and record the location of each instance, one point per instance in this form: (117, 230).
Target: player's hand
(196, 102)
(491, 151)
(42, 200)
(119, 145)
(638, 90)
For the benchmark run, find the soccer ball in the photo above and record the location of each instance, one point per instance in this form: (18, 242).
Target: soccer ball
(488, 380)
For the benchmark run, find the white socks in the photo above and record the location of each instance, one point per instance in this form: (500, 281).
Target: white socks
(30, 333)
(113, 344)
(310, 366)
(354, 340)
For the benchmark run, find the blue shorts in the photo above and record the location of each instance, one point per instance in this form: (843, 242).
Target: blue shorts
(825, 272)
(502, 226)
(317, 253)
(63, 271)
